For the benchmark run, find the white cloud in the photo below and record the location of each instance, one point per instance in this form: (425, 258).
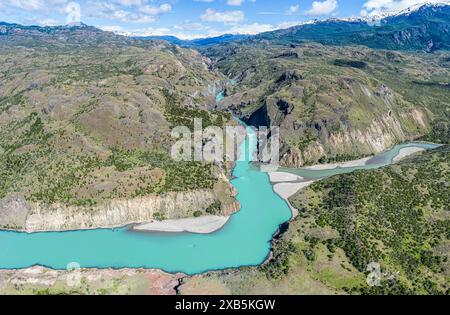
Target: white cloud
(48, 22)
(226, 17)
(373, 7)
(128, 3)
(207, 32)
(293, 9)
(288, 24)
(236, 3)
(112, 28)
(251, 29)
(189, 26)
(29, 5)
(127, 11)
(155, 10)
(149, 31)
(322, 7)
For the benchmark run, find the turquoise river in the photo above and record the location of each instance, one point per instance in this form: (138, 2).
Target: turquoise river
(243, 241)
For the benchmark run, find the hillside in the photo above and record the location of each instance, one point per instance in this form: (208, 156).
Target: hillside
(336, 103)
(425, 28)
(85, 120)
(343, 89)
(396, 216)
(85, 139)
(199, 42)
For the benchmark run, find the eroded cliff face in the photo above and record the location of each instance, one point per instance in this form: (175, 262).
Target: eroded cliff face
(18, 214)
(383, 133)
(336, 137)
(335, 131)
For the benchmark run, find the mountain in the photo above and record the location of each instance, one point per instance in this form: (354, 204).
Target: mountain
(108, 102)
(200, 42)
(15, 34)
(217, 40)
(85, 138)
(333, 97)
(336, 103)
(421, 27)
(171, 39)
(425, 27)
(85, 122)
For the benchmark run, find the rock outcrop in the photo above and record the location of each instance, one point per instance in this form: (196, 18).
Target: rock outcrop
(17, 214)
(13, 212)
(383, 133)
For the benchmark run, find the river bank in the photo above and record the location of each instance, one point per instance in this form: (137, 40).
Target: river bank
(287, 184)
(404, 153)
(162, 282)
(17, 214)
(354, 163)
(242, 241)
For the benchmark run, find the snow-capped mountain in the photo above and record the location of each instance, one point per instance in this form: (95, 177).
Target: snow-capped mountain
(423, 27)
(417, 7)
(371, 17)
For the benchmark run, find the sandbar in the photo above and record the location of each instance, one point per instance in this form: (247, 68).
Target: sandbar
(201, 225)
(282, 177)
(405, 152)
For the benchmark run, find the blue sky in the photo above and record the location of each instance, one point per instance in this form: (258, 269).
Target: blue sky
(191, 18)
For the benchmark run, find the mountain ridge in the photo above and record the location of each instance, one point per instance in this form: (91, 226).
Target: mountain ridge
(371, 25)
(426, 29)
(363, 30)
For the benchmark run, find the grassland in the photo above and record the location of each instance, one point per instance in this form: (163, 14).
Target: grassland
(397, 217)
(84, 123)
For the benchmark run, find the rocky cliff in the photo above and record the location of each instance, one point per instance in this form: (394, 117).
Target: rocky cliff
(85, 130)
(18, 214)
(336, 103)
(383, 133)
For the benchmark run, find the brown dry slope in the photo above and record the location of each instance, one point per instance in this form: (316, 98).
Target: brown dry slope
(85, 120)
